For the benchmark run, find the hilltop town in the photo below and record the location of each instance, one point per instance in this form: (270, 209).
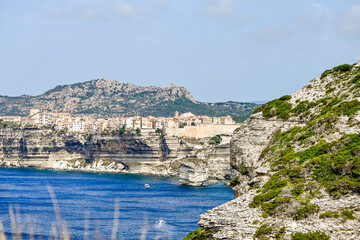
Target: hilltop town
(185, 124)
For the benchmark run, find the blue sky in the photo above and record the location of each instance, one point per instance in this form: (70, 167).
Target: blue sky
(219, 49)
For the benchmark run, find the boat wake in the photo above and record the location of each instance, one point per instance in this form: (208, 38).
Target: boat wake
(164, 229)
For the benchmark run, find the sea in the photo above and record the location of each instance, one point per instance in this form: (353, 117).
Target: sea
(85, 205)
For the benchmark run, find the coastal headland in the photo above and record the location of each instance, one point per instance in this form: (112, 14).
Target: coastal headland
(298, 160)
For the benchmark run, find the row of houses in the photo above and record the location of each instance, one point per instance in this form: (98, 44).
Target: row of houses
(64, 121)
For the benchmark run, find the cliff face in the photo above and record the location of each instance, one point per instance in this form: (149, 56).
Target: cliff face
(207, 162)
(145, 153)
(298, 159)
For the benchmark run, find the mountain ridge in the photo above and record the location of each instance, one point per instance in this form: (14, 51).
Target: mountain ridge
(110, 98)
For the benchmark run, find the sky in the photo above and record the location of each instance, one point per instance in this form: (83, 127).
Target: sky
(221, 50)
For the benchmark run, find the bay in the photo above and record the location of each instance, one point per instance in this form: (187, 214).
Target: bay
(91, 197)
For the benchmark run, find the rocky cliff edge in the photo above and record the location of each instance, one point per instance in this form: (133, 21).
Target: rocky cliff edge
(298, 159)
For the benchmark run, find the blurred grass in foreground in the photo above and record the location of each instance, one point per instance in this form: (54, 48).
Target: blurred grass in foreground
(59, 229)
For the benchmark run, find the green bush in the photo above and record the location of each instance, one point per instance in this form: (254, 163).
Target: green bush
(215, 140)
(343, 68)
(199, 234)
(310, 236)
(348, 214)
(327, 72)
(280, 234)
(243, 170)
(298, 189)
(261, 198)
(356, 79)
(270, 207)
(330, 90)
(262, 231)
(234, 182)
(285, 98)
(278, 107)
(306, 211)
(302, 107)
(332, 214)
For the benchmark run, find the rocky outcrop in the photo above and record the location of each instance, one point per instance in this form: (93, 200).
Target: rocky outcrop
(193, 173)
(102, 165)
(193, 160)
(208, 161)
(247, 144)
(297, 160)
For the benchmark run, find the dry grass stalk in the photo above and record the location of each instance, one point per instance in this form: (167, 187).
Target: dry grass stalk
(16, 228)
(61, 225)
(53, 232)
(2, 235)
(144, 229)
(86, 226)
(30, 225)
(116, 220)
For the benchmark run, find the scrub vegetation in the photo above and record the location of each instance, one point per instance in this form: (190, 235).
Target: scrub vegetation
(304, 163)
(199, 234)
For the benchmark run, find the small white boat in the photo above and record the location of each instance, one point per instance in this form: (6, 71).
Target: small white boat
(147, 185)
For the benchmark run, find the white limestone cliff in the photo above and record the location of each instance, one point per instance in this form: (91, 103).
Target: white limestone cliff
(250, 156)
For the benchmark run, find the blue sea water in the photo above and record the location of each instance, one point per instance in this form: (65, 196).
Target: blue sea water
(91, 197)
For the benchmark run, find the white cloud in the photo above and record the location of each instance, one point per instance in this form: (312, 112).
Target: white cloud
(219, 7)
(86, 12)
(161, 4)
(101, 11)
(350, 24)
(52, 11)
(271, 33)
(314, 17)
(124, 9)
(243, 20)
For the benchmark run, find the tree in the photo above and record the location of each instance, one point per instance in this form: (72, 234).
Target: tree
(158, 130)
(122, 130)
